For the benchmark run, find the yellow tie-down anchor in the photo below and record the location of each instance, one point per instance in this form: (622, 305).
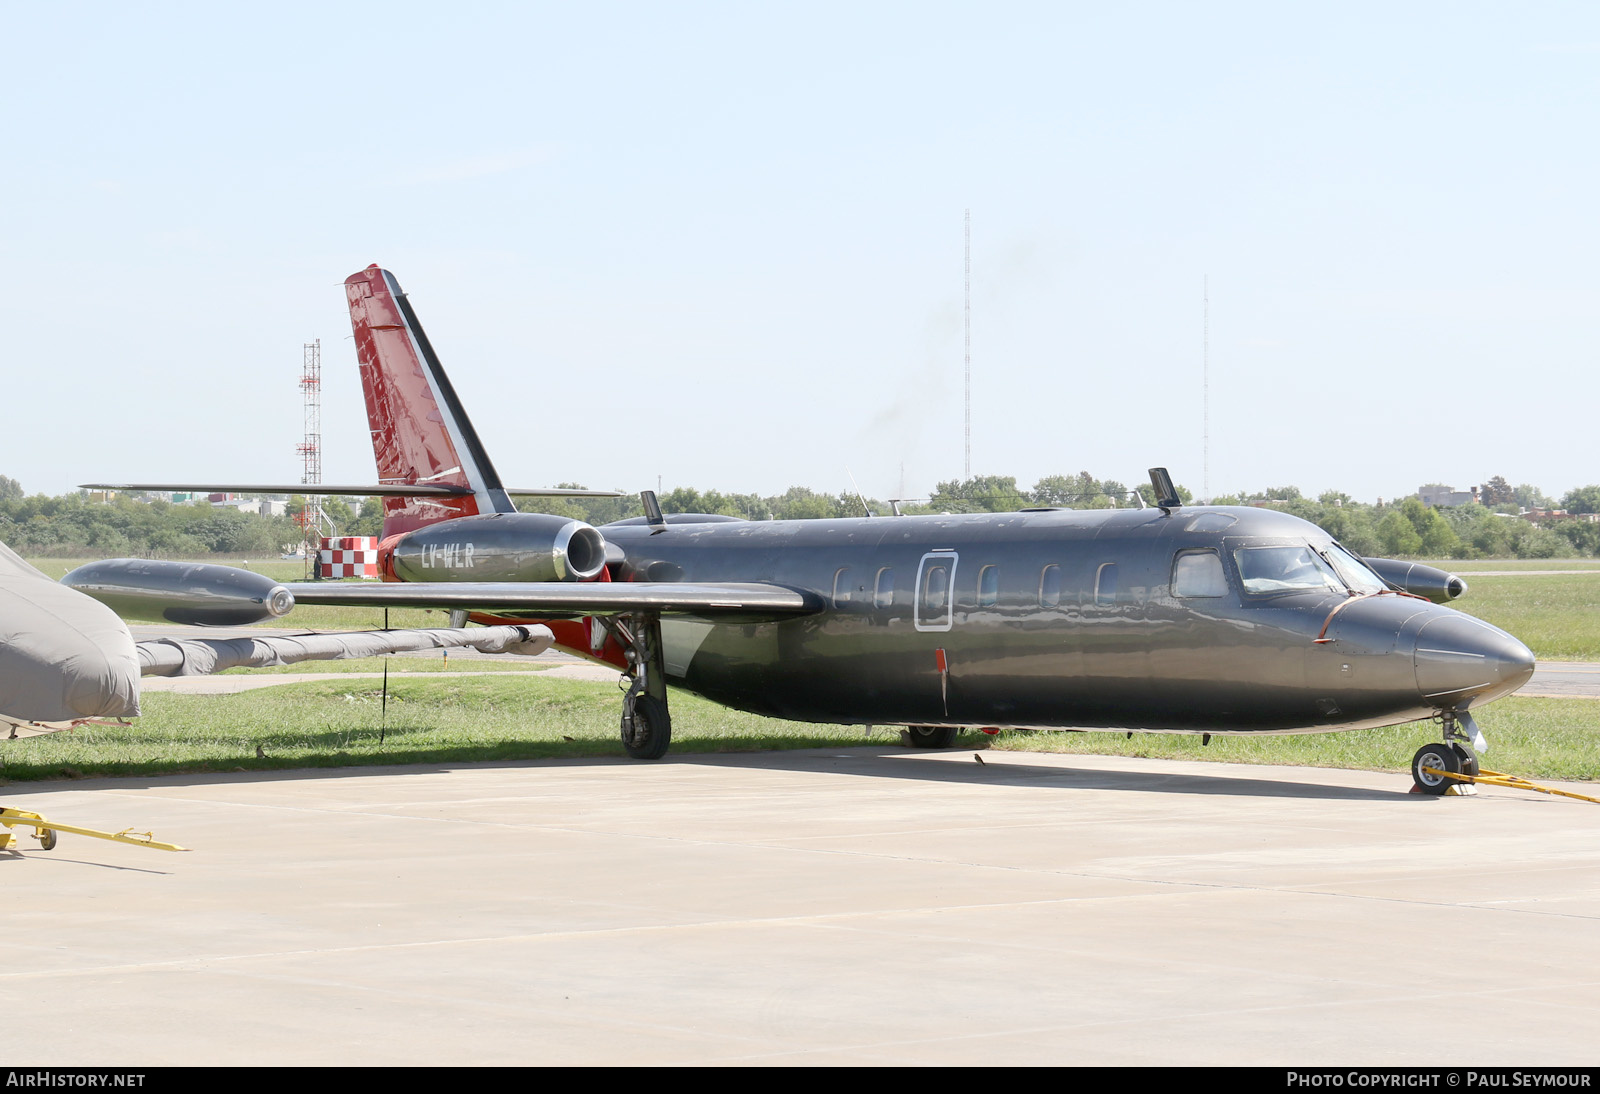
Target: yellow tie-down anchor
(1512, 782)
(45, 832)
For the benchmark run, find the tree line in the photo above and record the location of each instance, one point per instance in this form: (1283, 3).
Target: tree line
(74, 525)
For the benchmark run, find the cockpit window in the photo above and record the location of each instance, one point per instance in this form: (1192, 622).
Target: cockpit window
(1198, 573)
(1357, 574)
(1285, 569)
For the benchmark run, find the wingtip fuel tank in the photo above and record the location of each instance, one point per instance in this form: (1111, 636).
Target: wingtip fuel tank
(197, 593)
(1428, 582)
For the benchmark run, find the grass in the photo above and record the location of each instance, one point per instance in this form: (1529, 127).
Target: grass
(1467, 566)
(341, 723)
(1557, 616)
(1533, 737)
(400, 664)
(275, 568)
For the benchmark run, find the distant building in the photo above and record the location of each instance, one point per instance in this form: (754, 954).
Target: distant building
(1438, 496)
(1545, 516)
(266, 507)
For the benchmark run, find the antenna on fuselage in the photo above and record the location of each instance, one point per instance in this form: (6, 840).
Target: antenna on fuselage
(1166, 493)
(859, 495)
(1205, 389)
(652, 512)
(966, 326)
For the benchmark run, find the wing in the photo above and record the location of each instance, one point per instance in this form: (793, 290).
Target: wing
(712, 601)
(323, 489)
(209, 594)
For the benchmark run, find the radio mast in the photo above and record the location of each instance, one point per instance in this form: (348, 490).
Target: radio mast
(1205, 387)
(966, 311)
(311, 451)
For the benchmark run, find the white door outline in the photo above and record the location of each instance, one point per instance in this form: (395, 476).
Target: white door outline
(919, 591)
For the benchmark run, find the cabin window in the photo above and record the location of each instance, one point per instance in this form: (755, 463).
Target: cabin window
(1198, 573)
(1105, 584)
(841, 586)
(883, 591)
(935, 590)
(1050, 587)
(988, 586)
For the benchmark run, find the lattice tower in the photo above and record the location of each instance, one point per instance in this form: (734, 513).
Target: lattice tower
(310, 449)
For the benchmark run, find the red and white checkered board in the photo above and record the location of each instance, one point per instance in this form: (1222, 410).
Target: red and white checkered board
(348, 556)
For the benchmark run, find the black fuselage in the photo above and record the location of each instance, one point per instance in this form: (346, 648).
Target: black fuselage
(1056, 619)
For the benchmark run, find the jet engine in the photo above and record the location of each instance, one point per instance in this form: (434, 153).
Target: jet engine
(1428, 582)
(499, 547)
(182, 592)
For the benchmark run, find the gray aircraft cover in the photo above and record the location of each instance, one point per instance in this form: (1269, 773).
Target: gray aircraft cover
(63, 656)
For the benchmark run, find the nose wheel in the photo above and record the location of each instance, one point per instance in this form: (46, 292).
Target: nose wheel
(1433, 765)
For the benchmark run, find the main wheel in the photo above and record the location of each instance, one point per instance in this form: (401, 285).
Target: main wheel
(932, 736)
(652, 729)
(1469, 758)
(1440, 757)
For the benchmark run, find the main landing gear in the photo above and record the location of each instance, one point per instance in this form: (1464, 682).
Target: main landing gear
(1454, 755)
(646, 721)
(931, 736)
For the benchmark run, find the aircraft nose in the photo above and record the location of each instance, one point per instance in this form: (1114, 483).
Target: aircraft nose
(1459, 658)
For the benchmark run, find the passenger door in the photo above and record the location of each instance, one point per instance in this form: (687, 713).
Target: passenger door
(933, 608)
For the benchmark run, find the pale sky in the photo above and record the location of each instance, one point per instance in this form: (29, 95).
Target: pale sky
(722, 244)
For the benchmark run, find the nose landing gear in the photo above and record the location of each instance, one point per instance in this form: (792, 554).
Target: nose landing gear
(1433, 765)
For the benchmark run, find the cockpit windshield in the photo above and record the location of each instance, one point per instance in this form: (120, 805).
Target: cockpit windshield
(1286, 569)
(1357, 574)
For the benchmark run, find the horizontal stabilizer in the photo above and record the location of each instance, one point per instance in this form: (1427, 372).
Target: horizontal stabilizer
(322, 489)
(721, 602)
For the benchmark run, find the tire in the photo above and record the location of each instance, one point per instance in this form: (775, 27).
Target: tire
(652, 729)
(47, 839)
(1469, 758)
(932, 736)
(1441, 757)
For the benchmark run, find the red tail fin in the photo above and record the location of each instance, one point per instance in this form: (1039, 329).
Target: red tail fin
(420, 434)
